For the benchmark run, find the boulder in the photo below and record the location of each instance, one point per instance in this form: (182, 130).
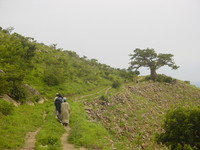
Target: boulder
(31, 90)
(10, 100)
(1, 71)
(29, 102)
(32, 93)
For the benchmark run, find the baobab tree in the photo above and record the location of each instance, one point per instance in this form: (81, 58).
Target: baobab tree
(149, 58)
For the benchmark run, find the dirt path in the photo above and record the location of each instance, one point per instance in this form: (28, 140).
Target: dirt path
(93, 93)
(106, 92)
(30, 137)
(30, 140)
(81, 98)
(66, 145)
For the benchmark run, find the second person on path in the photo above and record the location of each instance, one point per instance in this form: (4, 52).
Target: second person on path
(65, 112)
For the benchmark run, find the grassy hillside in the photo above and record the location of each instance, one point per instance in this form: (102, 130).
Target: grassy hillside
(49, 69)
(124, 118)
(108, 110)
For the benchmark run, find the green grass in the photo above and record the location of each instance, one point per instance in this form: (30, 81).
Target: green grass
(144, 114)
(48, 138)
(14, 127)
(84, 133)
(27, 118)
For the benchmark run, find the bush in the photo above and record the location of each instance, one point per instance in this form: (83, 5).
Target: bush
(182, 129)
(35, 98)
(116, 84)
(161, 78)
(104, 98)
(51, 79)
(17, 93)
(6, 108)
(53, 75)
(3, 84)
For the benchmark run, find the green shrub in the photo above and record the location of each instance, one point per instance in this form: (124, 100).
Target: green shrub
(6, 108)
(116, 84)
(168, 79)
(161, 78)
(51, 79)
(35, 98)
(4, 88)
(17, 92)
(182, 129)
(104, 97)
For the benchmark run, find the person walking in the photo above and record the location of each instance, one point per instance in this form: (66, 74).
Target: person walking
(57, 102)
(65, 112)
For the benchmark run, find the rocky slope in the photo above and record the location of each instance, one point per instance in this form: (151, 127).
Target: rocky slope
(135, 114)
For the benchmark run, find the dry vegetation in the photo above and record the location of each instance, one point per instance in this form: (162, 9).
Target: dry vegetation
(135, 114)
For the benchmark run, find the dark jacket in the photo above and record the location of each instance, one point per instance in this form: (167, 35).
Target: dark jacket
(57, 104)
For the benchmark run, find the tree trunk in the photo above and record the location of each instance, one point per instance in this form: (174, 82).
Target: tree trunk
(153, 73)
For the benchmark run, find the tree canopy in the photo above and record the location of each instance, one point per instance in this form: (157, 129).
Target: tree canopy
(149, 58)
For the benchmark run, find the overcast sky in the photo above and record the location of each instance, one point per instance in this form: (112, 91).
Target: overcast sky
(109, 30)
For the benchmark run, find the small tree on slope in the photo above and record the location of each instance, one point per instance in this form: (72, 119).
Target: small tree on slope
(149, 58)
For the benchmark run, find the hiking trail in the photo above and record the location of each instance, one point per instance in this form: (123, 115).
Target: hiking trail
(30, 137)
(30, 140)
(64, 138)
(84, 96)
(66, 145)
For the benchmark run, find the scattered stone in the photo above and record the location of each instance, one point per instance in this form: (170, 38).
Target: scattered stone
(30, 103)
(10, 100)
(136, 113)
(31, 93)
(1, 71)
